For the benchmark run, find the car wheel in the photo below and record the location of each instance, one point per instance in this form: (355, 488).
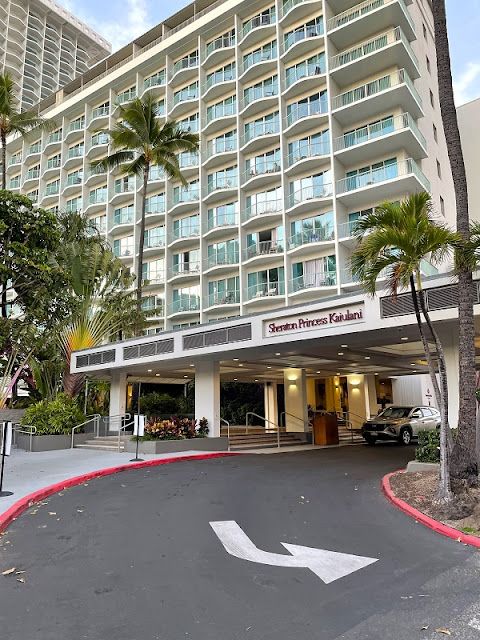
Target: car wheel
(370, 440)
(405, 436)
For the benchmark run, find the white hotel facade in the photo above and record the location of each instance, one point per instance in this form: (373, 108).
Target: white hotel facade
(309, 114)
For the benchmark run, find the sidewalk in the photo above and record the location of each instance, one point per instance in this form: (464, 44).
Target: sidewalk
(27, 472)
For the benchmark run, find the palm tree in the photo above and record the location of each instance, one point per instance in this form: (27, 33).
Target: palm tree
(139, 142)
(393, 242)
(464, 462)
(14, 121)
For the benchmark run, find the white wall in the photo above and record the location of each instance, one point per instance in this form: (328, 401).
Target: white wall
(413, 390)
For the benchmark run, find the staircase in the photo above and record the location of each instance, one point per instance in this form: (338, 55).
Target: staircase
(104, 443)
(259, 439)
(349, 436)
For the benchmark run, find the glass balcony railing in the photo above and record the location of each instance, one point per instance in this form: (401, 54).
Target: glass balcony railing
(186, 231)
(262, 20)
(76, 125)
(122, 216)
(185, 305)
(260, 168)
(259, 93)
(363, 9)
(222, 220)
(255, 57)
(221, 110)
(308, 150)
(377, 130)
(313, 281)
(392, 171)
(126, 96)
(223, 297)
(54, 163)
(347, 229)
(302, 33)
(264, 248)
(324, 233)
(157, 80)
(221, 145)
(56, 136)
(304, 70)
(288, 5)
(14, 183)
(75, 152)
(124, 187)
(185, 95)
(310, 192)
(188, 160)
(375, 87)
(16, 159)
(156, 173)
(74, 179)
(260, 129)
(156, 242)
(223, 42)
(52, 189)
(221, 258)
(32, 174)
(218, 77)
(99, 139)
(266, 290)
(35, 148)
(218, 182)
(186, 195)
(368, 47)
(301, 110)
(185, 63)
(98, 197)
(186, 268)
(100, 112)
(151, 305)
(262, 208)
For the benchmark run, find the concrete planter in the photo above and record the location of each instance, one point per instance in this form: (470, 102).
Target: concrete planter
(48, 443)
(415, 467)
(11, 415)
(173, 446)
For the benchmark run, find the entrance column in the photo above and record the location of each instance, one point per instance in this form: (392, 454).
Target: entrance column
(207, 395)
(271, 404)
(370, 388)
(118, 396)
(295, 383)
(449, 340)
(332, 394)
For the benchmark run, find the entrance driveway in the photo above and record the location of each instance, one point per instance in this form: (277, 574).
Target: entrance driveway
(133, 556)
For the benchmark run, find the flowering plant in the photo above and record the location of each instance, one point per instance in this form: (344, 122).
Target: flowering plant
(175, 429)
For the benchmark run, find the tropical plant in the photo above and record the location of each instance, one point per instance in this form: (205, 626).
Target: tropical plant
(174, 429)
(13, 121)
(140, 142)
(464, 460)
(393, 241)
(54, 417)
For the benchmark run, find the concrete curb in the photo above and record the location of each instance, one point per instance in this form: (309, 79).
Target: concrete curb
(29, 500)
(435, 525)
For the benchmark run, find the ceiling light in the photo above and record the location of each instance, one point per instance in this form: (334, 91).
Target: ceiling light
(404, 338)
(185, 376)
(236, 359)
(256, 380)
(413, 364)
(376, 374)
(354, 364)
(149, 370)
(269, 367)
(367, 357)
(192, 365)
(278, 354)
(158, 375)
(344, 346)
(235, 379)
(240, 365)
(338, 373)
(319, 372)
(340, 353)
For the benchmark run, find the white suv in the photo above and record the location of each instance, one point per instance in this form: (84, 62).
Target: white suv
(400, 423)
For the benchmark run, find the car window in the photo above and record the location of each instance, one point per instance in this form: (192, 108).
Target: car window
(427, 412)
(396, 412)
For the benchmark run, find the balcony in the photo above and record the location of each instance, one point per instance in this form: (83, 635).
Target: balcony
(221, 261)
(365, 18)
(53, 140)
(261, 173)
(100, 116)
(260, 135)
(32, 175)
(185, 199)
(386, 50)
(265, 292)
(185, 234)
(314, 283)
(15, 160)
(220, 186)
(123, 219)
(95, 175)
(98, 145)
(220, 116)
(303, 78)
(188, 163)
(263, 252)
(154, 245)
(185, 306)
(260, 98)
(97, 200)
(386, 183)
(74, 157)
(75, 130)
(309, 197)
(185, 271)
(258, 28)
(183, 100)
(125, 252)
(74, 184)
(33, 150)
(307, 156)
(156, 174)
(381, 139)
(302, 41)
(126, 96)
(219, 49)
(52, 189)
(257, 64)
(14, 183)
(155, 84)
(185, 69)
(153, 308)
(310, 240)
(220, 151)
(221, 224)
(302, 116)
(222, 299)
(218, 84)
(259, 213)
(294, 10)
(381, 95)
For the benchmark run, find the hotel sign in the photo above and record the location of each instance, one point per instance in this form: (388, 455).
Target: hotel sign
(315, 320)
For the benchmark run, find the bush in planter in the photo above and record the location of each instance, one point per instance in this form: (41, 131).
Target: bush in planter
(428, 449)
(174, 429)
(54, 417)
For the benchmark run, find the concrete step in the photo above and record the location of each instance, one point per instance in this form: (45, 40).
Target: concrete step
(100, 447)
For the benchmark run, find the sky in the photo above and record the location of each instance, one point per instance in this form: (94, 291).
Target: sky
(120, 21)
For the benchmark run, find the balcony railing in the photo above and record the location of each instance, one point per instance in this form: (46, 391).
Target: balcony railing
(32, 174)
(302, 33)
(185, 95)
(378, 129)
(222, 220)
(123, 217)
(264, 248)
(288, 5)
(223, 42)
(124, 187)
(259, 93)
(222, 182)
(373, 88)
(221, 145)
(221, 258)
(186, 231)
(185, 305)
(308, 150)
(34, 148)
(126, 96)
(56, 136)
(362, 9)
(186, 268)
(100, 112)
(156, 173)
(98, 197)
(74, 180)
(52, 189)
(298, 111)
(391, 172)
(221, 110)
(266, 290)
(313, 281)
(303, 194)
(325, 233)
(347, 229)
(185, 63)
(300, 71)
(261, 168)
(261, 129)
(258, 56)
(218, 77)
(262, 20)
(54, 163)
(187, 160)
(14, 183)
(155, 243)
(76, 125)
(17, 159)
(154, 81)
(223, 297)
(100, 138)
(186, 195)
(262, 208)
(370, 46)
(75, 152)
(149, 305)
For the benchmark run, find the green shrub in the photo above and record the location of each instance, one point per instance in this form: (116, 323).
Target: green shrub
(160, 404)
(54, 417)
(428, 446)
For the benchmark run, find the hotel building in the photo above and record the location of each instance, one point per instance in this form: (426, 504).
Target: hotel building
(44, 47)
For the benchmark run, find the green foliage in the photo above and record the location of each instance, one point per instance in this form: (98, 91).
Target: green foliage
(428, 449)
(163, 404)
(174, 429)
(54, 417)
(237, 398)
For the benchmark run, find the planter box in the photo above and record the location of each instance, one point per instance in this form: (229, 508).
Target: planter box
(173, 446)
(48, 443)
(11, 415)
(414, 466)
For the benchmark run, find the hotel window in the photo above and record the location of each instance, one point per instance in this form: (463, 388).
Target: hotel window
(266, 52)
(310, 29)
(269, 282)
(123, 246)
(269, 162)
(321, 272)
(316, 186)
(222, 144)
(186, 262)
(155, 203)
(314, 229)
(223, 179)
(155, 237)
(263, 89)
(221, 109)
(313, 66)
(266, 17)
(223, 215)
(224, 74)
(190, 92)
(224, 291)
(186, 227)
(222, 253)
(369, 131)
(310, 106)
(74, 205)
(263, 126)
(186, 299)
(265, 242)
(317, 144)
(378, 172)
(223, 41)
(439, 169)
(190, 124)
(154, 271)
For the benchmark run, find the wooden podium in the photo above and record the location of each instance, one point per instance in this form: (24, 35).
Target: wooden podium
(325, 429)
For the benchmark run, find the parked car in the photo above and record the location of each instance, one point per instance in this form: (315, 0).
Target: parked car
(400, 423)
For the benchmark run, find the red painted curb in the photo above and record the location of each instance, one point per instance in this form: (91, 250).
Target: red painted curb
(435, 525)
(26, 502)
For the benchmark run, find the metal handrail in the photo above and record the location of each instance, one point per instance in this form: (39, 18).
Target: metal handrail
(251, 413)
(228, 429)
(95, 418)
(123, 428)
(28, 429)
(283, 422)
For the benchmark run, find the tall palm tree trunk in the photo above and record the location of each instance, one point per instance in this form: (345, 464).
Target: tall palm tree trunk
(141, 241)
(464, 464)
(444, 490)
(3, 141)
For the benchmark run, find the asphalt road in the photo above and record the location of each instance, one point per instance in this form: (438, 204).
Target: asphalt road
(133, 557)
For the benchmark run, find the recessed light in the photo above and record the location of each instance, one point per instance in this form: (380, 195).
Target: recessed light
(269, 367)
(340, 353)
(192, 365)
(338, 373)
(414, 371)
(256, 379)
(404, 338)
(376, 374)
(158, 375)
(236, 359)
(319, 372)
(235, 379)
(344, 346)
(413, 364)
(149, 370)
(240, 365)
(354, 364)
(278, 354)
(367, 357)
(185, 376)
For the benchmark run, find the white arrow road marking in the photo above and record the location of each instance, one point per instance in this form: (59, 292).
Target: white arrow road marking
(327, 565)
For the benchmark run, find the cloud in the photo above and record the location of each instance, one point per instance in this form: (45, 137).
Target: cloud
(467, 84)
(132, 21)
